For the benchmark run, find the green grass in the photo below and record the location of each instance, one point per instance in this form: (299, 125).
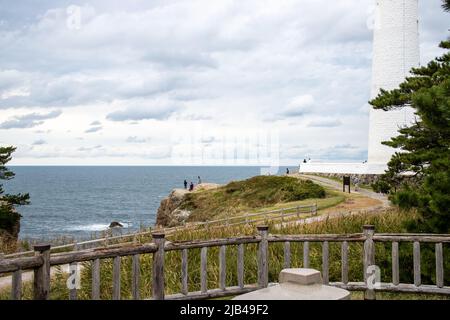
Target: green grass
(390, 222)
(248, 195)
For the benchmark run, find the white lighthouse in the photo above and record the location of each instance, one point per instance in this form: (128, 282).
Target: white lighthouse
(395, 52)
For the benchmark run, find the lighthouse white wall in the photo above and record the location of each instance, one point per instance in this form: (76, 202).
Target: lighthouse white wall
(395, 52)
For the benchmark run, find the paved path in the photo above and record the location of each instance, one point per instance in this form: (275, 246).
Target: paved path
(377, 204)
(338, 186)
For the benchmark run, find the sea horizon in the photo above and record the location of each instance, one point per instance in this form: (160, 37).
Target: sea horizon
(80, 202)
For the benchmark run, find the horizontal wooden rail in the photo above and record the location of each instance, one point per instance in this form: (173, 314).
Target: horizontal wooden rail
(11, 265)
(317, 238)
(170, 246)
(80, 256)
(411, 238)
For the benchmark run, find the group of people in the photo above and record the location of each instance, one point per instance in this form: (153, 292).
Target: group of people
(191, 185)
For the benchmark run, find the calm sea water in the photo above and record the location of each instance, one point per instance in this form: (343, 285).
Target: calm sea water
(80, 201)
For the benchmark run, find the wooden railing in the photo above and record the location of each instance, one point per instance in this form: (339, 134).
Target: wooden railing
(282, 215)
(42, 262)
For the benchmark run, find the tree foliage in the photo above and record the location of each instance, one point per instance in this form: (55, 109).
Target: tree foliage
(8, 215)
(418, 174)
(446, 5)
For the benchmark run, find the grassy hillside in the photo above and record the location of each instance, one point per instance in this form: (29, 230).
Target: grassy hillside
(247, 195)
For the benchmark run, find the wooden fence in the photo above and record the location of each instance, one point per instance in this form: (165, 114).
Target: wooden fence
(42, 262)
(282, 215)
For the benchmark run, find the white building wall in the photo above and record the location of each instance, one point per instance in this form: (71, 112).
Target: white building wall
(395, 52)
(344, 168)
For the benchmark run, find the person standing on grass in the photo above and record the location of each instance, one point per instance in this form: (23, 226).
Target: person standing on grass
(287, 171)
(199, 180)
(185, 184)
(191, 187)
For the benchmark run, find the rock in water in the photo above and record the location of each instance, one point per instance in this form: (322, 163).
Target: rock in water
(115, 224)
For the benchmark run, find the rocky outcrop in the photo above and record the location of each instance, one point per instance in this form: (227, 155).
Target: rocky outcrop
(169, 212)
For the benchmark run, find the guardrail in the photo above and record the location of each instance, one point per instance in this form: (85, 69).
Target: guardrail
(249, 218)
(43, 261)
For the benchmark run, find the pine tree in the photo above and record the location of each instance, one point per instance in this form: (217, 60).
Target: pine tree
(9, 217)
(446, 5)
(418, 176)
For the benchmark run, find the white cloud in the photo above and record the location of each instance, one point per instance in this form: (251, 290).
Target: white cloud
(225, 64)
(29, 120)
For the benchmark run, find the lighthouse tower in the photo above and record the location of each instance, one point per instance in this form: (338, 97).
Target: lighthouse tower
(395, 52)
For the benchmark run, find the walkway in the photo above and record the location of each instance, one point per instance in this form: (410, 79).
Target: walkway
(366, 201)
(338, 186)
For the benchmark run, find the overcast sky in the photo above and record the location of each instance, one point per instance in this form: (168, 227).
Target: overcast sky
(185, 82)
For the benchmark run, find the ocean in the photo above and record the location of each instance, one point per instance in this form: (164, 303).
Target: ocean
(81, 202)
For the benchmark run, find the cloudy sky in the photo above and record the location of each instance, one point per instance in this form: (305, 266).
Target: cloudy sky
(190, 82)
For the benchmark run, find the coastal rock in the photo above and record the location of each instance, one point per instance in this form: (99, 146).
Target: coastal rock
(115, 224)
(166, 212)
(169, 212)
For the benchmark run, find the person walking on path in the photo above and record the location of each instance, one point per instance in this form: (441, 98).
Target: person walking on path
(287, 171)
(185, 184)
(199, 180)
(191, 187)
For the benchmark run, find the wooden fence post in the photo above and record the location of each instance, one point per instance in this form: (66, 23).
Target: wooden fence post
(95, 279)
(325, 262)
(240, 266)
(416, 259)
(395, 264)
(263, 268)
(369, 259)
(136, 277)
(184, 272)
(41, 285)
(158, 267)
(204, 270)
(439, 265)
(344, 263)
